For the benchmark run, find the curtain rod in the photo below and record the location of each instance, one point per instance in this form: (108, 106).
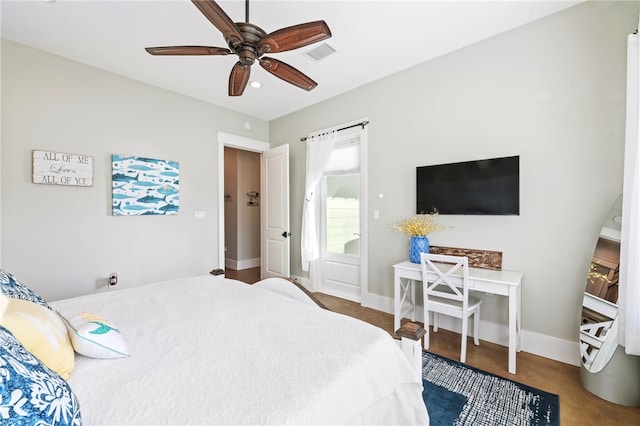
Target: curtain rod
(362, 123)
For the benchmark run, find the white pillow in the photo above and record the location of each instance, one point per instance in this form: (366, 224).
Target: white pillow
(93, 336)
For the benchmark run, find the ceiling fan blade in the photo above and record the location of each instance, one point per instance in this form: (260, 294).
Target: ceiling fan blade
(239, 78)
(294, 37)
(187, 50)
(287, 73)
(219, 19)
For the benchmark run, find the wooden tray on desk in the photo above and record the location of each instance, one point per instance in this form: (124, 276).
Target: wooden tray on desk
(484, 259)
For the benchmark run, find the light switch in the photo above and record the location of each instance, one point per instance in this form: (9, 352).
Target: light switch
(200, 214)
(376, 214)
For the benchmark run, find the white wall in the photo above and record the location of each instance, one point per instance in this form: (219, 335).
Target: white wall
(63, 241)
(552, 92)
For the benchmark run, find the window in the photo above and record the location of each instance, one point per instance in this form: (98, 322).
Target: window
(342, 198)
(343, 214)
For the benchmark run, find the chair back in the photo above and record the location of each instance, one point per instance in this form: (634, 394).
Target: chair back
(446, 277)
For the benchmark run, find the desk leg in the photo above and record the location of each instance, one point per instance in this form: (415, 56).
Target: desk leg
(396, 300)
(513, 327)
(519, 318)
(412, 285)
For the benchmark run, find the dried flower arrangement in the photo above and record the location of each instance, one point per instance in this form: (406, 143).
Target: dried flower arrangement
(419, 225)
(595, 275)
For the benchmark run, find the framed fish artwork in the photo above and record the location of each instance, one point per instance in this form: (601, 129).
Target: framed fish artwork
(144, 186)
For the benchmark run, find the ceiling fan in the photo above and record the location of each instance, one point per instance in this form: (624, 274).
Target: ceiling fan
(250, 43)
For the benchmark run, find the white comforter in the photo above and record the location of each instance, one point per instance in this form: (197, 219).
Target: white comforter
(211, 351)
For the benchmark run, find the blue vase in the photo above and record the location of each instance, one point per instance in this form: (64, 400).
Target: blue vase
(418, 245)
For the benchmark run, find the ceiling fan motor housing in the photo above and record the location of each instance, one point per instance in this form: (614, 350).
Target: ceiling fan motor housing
(247, 50)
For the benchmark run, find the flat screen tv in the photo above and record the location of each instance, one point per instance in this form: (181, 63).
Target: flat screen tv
(482, 187)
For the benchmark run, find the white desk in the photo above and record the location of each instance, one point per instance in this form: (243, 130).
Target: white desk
(503, 283)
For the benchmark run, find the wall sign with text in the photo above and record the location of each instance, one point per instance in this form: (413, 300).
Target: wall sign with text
(59, 168)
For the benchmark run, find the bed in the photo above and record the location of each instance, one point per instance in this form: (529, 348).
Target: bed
(209, 350)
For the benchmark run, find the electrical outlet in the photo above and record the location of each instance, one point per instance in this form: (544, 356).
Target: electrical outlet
(113, 279)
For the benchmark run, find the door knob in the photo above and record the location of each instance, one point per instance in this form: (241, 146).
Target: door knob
(286, 234)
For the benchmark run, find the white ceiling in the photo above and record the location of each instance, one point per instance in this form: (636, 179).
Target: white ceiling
(373, 39)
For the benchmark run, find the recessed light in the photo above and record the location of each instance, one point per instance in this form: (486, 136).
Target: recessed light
(256, 84)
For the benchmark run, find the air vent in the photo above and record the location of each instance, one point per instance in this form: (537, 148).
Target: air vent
(320, 52)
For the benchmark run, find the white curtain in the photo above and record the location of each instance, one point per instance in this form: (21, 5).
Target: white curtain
(319, 149)
(629, 292)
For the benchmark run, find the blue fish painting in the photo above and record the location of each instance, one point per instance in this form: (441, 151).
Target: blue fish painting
(148, 184)
(167, 189)
(121, 177)
(127, 206)
(151, 199)
(120, 196)
(144, 186)
(169, 208)
(140, 167)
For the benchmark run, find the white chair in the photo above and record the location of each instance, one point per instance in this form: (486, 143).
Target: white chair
(445, 290)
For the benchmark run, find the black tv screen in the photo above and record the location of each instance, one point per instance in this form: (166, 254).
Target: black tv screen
(482, 187)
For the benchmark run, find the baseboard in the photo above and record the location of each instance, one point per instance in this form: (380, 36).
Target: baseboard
(239, 265)
(564, 351)
(561, 350)
(551, 347)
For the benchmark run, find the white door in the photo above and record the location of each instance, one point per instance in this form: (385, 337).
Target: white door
(343, 218)
(274, 215)
(340, 235)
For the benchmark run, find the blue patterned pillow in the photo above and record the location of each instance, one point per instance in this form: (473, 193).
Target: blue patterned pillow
(13, 288)
(30, 393)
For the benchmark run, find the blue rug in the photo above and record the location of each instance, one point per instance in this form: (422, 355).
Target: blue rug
(457, 394)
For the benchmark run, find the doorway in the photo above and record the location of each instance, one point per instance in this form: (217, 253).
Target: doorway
(340, 234)
(271, 200)
(343, 220)
(242, 210)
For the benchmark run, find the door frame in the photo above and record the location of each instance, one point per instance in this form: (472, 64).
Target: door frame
(239, 142)
(364, 206)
